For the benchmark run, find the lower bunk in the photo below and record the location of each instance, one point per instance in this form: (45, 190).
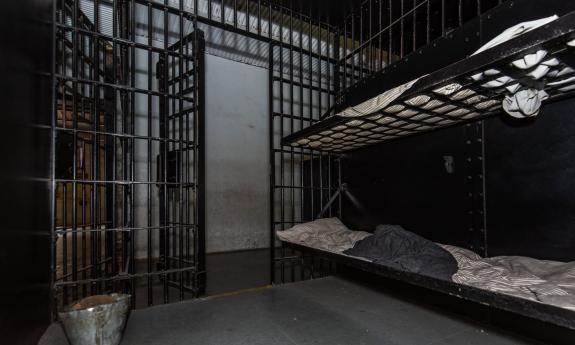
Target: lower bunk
(539, 289)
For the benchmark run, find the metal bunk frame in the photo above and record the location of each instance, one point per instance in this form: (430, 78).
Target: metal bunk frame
(375, 26)
(554, 35)
(539, 311)
(471, 107)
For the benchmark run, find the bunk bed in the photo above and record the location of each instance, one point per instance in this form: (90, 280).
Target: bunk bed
(537, 64)
(560, 311)
(515, 75)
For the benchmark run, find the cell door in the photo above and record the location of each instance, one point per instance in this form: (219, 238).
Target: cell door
(127, 152)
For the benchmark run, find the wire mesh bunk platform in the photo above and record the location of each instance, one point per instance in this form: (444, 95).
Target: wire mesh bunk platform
(467, 90)
(540, 311)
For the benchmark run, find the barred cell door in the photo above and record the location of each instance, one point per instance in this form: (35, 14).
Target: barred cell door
(127, 152)
(181, 164)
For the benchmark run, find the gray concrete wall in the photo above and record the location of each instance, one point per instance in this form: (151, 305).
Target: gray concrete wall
(237, 156)
(237, 152)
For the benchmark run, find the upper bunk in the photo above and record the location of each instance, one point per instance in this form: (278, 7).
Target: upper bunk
(514, 75)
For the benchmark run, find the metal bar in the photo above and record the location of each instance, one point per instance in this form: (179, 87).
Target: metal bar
(201, 158)
(331, 200)
(149, 246)
(271, 158)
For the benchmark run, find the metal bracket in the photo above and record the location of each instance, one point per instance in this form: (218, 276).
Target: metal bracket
(342, 188)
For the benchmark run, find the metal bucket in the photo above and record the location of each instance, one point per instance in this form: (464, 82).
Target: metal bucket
(99, 323)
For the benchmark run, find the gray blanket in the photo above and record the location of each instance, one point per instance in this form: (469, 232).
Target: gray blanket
(393, 246)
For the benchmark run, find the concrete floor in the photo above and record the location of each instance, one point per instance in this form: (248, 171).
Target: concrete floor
(233, 271)
(227, 272)
(323, 311)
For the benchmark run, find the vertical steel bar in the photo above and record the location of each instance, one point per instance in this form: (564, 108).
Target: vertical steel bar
(259, 5)
(75, 96)
(180, 172)
(222, 15)
(247, 15)
(235, 14)
(428, 22)
(272, 154)
(209, 9)
(165, 133)
(380, 28)
(132, 73)
(352, 81)
(53, 184)
(281, 131)
(390, 36)
(149, 247)
(200, 128)
(292, 115)
(361, 41)
(402, 30)
(442, 17)
(414, 39)
(310, 107)
(344, 60)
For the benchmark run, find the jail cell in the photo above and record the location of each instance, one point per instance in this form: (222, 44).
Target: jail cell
(128, 157)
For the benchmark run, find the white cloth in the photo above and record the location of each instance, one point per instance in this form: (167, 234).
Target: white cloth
(524, 103)
(515, 31)
(530, 60)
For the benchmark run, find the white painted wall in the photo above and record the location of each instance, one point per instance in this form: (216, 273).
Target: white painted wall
(237, 151)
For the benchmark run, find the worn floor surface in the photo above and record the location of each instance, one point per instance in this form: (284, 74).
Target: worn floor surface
(323, 311)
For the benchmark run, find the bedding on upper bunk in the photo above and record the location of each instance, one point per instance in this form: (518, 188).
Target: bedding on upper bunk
(522, 101)
(328, 234)
(393, 246)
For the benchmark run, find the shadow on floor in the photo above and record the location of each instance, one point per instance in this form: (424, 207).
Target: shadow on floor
(323, 311)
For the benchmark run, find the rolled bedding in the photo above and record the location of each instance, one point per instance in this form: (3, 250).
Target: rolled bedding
(328, 234)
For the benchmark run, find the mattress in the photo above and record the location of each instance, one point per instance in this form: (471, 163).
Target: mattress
(543, 281)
